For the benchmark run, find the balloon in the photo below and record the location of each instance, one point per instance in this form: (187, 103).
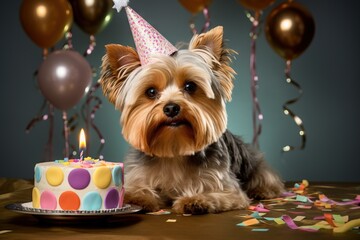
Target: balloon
(46, 21)
(63, 78)
(195, 6)
(289, 29)
(92, 16)
(256, 5)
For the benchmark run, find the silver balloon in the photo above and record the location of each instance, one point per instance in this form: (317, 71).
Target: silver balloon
(63, 77)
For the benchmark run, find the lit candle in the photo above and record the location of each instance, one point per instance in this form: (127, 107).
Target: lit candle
(82, 144)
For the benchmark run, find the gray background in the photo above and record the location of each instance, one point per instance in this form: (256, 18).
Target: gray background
(327, 72)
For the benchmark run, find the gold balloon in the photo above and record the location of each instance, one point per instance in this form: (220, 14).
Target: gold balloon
(92, 16)
(256, 5)
(46, 21)
(289, 29)
(195, 6)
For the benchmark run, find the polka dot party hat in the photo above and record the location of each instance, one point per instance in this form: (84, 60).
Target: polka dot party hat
(147, 39)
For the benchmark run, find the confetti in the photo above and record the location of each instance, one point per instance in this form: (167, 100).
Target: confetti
(347, 226)
(301, 198)
(279, 221)
(249, 222)
(304, 206)
(259, 229)
(290, 223)
(259, 208)
(160, 212)
(171, 220)
(5, 231)
(257, 215)
(299, 218)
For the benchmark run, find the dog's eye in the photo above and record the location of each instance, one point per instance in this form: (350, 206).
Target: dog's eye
(190, 87)
(151, 93)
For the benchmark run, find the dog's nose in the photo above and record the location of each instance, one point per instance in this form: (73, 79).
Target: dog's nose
(171, 109)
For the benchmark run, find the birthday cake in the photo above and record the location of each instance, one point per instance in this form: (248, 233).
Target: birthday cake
(74, 184)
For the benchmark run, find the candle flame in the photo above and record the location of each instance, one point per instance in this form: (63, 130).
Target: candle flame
(82, 140)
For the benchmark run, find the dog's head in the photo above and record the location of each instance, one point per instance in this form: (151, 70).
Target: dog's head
(175, 105)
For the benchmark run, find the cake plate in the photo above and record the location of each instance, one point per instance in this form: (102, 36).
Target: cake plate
(68, 215)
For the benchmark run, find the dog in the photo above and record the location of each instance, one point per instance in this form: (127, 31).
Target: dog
(174, 117)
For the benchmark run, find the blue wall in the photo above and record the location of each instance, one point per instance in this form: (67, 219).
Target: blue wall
(327, 72)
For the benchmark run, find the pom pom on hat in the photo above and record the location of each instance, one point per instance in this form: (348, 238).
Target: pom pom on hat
(147, 39)
(119, 4)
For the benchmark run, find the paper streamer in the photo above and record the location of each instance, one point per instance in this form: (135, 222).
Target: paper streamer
(347, 226)
(259, 208)
(68, 37)
(206, 24)
(288, 112)
(91, 46)
(257, 116)
(325, 199)
(69, 45)
(291, 224)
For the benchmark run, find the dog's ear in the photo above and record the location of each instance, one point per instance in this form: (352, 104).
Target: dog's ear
(118, 62)
(212, 43)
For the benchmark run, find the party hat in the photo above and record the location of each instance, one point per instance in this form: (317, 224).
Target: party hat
(147, 39)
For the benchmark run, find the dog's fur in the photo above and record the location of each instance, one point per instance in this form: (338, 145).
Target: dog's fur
(174, 117)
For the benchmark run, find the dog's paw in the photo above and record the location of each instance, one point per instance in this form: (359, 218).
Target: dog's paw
(146, 202)
(192, 205)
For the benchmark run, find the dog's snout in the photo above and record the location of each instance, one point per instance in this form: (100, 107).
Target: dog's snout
(171, 109)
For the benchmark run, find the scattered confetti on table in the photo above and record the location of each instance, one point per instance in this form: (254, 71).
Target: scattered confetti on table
(330, 219)
(171, 220)
(160, 212)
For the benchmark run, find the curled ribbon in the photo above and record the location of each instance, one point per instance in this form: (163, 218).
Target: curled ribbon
(91, 46)
(290, 113)
(257, 116)
(206, 24)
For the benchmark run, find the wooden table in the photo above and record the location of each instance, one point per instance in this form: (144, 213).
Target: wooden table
(144, 226)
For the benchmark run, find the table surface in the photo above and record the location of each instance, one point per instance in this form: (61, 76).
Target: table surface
(14, 225)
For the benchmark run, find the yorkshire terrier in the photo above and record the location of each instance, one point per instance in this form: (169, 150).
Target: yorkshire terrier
(173, 115)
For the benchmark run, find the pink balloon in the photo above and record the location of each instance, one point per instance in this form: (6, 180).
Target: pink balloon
(63, 78)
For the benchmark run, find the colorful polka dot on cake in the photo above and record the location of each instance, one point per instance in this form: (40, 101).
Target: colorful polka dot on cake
(79, 178)
(112, 199)
(35, 198)
(54, 176)
(102, 177)
(92, 201)
(69, 200)
(48, 200)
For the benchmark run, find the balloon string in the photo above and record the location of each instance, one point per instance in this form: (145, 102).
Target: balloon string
(206, 24)
(290, 113)
(72, 125)
(66, 133)
(91, 46)
(49, 146)
(257, 115)
(90, 115)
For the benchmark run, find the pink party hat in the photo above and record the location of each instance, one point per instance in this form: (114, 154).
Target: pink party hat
(147, 39)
